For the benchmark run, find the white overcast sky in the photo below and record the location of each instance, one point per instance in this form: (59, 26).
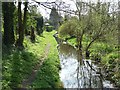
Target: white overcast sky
(45, 12)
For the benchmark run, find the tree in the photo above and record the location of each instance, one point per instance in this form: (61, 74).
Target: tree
(55, 18)
(93, 22)
(20, 39)
(21, 24)
(25, 18)
(32, 35)
(100, 23)
(36, 18)
(8, 16)
(39, 26)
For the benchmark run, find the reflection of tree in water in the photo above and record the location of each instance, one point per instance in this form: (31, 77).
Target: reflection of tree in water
(78, 74)
(67, 50)
(87, 77)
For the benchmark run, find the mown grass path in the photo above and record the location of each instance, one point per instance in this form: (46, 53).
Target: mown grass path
(28, 81)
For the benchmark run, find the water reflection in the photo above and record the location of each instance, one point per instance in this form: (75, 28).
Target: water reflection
(74, 75)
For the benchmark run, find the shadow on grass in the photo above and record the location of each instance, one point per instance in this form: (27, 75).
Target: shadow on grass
(16, 66)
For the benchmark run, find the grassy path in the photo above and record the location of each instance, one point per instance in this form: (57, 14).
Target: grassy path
(28, 81)
(48, 73)
(36, 66)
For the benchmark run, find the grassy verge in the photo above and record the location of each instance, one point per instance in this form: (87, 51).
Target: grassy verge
(48, 74)
(18, 65)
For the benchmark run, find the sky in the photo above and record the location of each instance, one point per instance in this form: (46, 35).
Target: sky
(45, 12)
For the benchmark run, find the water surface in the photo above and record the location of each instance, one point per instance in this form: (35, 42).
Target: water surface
(74, 75)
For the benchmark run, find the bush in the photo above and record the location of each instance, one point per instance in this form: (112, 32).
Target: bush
(96, 57)
(68, 28)
(112, 62)
(49, 28)
(111, 57)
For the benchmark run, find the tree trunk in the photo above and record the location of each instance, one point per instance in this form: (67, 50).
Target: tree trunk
(87, 51)
(8, 15)
(25, 18)
(97, 37)
(79, 51)
(119, 23)
(19, 41)
(32, 35)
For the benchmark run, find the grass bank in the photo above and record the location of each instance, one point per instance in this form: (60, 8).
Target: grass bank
(18, 65)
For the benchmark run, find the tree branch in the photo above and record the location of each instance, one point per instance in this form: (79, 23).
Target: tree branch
(45, 4)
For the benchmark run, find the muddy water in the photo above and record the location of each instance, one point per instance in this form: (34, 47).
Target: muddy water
(74, 75)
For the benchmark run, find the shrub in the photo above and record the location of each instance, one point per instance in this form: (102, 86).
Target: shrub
(49, 28)
(68, 28)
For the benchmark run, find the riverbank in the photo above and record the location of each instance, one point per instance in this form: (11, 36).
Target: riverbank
(106, 55)
(18, 65)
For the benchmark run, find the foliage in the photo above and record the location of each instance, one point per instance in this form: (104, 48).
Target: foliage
(109, 58)
(95, 31)
(30, 21)
(33, 10)
(18, 65)
(35, 18)
(68, 28)
(39, 25)
(112, 63)
(94, 25)
(55, 18)
(49, 28)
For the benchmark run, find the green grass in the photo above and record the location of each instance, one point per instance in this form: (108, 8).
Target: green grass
(72, 41)
(18, 65)
(48, 75)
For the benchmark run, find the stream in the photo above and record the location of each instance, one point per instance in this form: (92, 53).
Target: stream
(74, 75)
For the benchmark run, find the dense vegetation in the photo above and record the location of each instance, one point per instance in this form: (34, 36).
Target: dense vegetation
(29, 54)
(96, 36)
(26, 49)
